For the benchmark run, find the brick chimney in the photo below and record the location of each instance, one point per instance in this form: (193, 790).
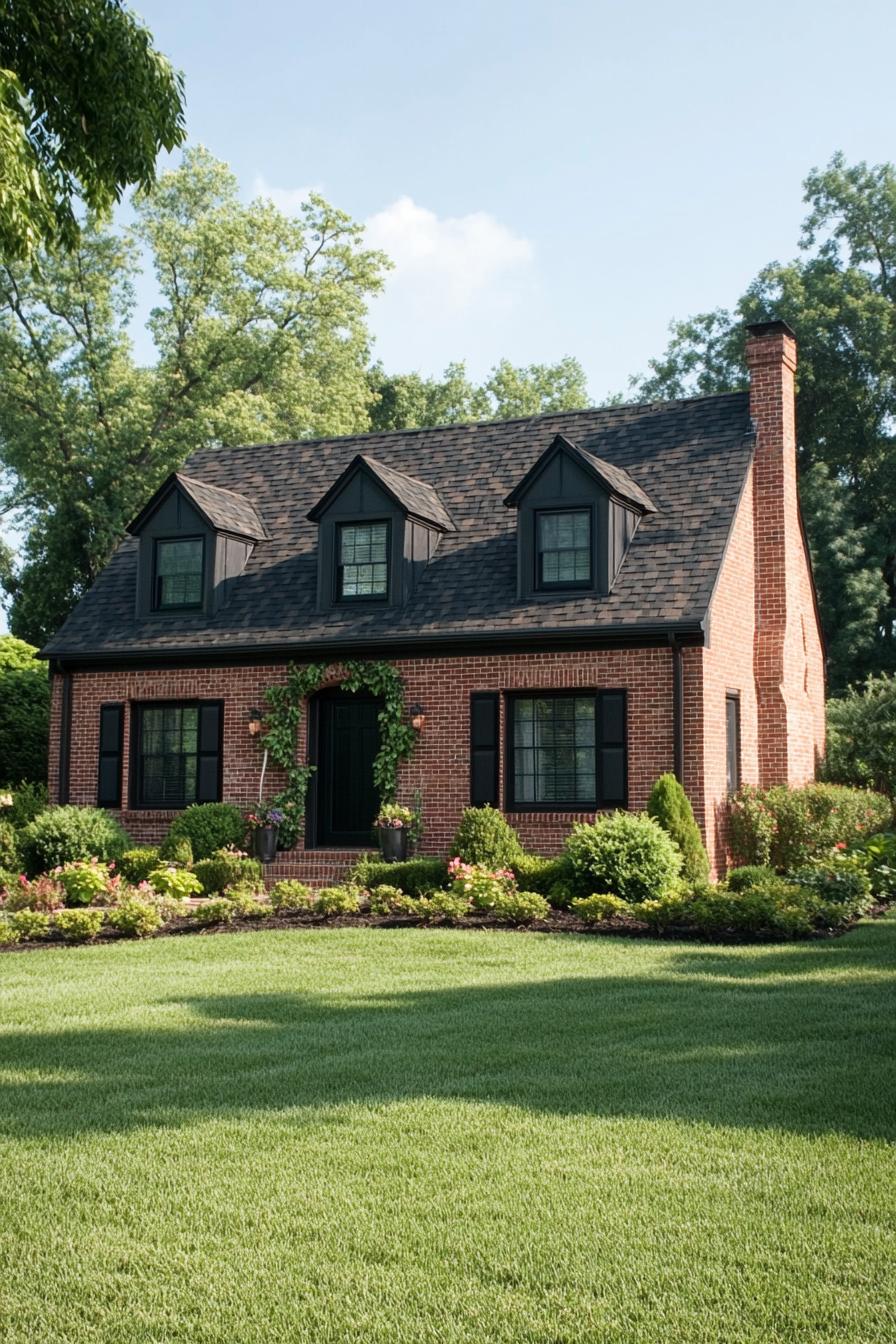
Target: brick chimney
(785, 648)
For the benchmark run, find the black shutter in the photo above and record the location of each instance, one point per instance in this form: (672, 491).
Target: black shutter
(108, 789)
(612, 782)
(484, 726)
(208, 785)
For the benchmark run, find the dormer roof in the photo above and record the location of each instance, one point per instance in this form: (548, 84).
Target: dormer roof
(417, 498)
(615, 480)
(224, 510)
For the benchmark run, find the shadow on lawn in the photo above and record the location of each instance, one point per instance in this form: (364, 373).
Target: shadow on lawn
(774, 1038)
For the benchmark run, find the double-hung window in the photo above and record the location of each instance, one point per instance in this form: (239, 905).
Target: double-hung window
(177, 753)
(566, 750)
(178, 576)
(563, 548)
(362, 561)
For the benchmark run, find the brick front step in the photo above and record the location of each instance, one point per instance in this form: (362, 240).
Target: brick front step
(317, 867)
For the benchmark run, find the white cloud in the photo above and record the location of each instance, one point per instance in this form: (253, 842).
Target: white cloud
(453, 263)
(288, 199)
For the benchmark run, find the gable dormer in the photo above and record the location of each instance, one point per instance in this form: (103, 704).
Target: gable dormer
(194, 540)
(377, 531)
(576, 516)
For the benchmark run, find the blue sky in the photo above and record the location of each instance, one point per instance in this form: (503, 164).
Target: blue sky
(551, 178)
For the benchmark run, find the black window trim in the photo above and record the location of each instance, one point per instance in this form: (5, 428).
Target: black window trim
(733, 697)
(134, 772)
(579, 805)
(354, 599)
(154, 595)
(576, 585)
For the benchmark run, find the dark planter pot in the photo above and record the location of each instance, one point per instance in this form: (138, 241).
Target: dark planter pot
(265, 840)
(393, 843)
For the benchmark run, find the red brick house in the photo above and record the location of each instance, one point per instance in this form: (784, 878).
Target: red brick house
(576, 602)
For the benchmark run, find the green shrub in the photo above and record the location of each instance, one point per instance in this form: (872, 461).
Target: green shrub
(414, 876)
(861, 736)
(244, 897)
(670, 806)
(840, 879)
(79, 926)
(600, 906)
(29, 799)
(177, 883)
(343, 900)
(9, 934)
(40, 893)
(209, 827)
(24, 711)
(137, 864)
(486, 837)
(534, 873)
(752, 875)
(31, 924)
(83, 882)
(177, 849)
(136, 916)
(385, 900)
(447, 906)
(63, 834)
(625, 853)
(9, 850)
(290, 895)
(777, 907)
(218, 911)
(788, 828)
(520, 907)
(878, 855)
(224, 868)
(665, 912)
(478, 884)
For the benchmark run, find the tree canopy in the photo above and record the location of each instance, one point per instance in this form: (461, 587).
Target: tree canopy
(839, 295)
(412, 401)
(24, 713)
(86, 104)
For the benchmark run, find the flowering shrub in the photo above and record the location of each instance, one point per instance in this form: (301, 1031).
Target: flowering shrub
(83, 881)
(41, 893)
(175, 882)
(788, 828)
(480, 886)
(395, 817)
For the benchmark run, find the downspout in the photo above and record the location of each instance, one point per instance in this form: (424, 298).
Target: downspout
(65, 736)
(677, 709)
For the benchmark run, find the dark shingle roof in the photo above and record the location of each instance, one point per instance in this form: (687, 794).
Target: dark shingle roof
(613, 479)
(415, 497)
(689, 457)
(224, 510)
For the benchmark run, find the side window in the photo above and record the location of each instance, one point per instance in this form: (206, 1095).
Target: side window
(732, 741)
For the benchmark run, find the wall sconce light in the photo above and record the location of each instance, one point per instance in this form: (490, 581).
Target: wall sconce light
(418, 718)
(254, 722)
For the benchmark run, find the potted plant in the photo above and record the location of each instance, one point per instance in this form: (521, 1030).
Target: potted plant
(264, 823)
(394, 824)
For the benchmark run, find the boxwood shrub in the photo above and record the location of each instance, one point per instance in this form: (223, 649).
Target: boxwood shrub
(64, 834)
(224, 868)
(626, 854)
(414, 876)
(209, 826)
(486, 836)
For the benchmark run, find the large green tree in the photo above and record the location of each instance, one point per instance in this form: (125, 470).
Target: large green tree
(412, 401)
(839, 295)
(86, 104)
(24, 713)
(260, 334)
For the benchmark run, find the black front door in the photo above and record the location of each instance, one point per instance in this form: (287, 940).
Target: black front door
(348, 739)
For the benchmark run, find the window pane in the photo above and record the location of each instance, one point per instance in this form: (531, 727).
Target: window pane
(554, 749)
(179, 573)
(169, 746)
(564, 547)
(363, 560)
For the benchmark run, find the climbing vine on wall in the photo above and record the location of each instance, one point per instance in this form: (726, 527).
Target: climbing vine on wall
(284, 720)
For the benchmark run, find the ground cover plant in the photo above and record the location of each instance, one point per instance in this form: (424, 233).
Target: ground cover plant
(431, 1136)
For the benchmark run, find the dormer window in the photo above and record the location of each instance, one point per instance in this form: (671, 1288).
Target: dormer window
(564, 548)
(179, 569)
(362, 566)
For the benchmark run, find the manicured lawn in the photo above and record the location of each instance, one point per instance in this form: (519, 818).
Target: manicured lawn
(411, 1135)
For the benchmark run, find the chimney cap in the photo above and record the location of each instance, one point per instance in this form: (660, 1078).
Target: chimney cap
(777, 327)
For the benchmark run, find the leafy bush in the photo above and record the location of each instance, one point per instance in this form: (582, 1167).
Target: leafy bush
(24, 711)
(534, 873)
(31, 924)
(386, 900)
(443, 905)
(485, 836)
(29, 799)
(861, 736)
(479, 884)
(840, 879)
(670, 806)
(218, 911)
(9, 850)
(520, 907)
(177, 849)
(79, 926)
(290, 895)
(136, 916)
(209, 827)
(624, 853)
(177, 883)
(877, 853)
(63, 834)
(337, 901)
(40, 893)
(414, 876)
(137, 864)
(788, 828)
(600, 906)
(752, 875)
(224, 868)
(9, 934)
(244, 897)
(83, 881)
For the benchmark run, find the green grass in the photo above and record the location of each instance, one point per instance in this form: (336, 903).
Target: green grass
(409, 1135)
